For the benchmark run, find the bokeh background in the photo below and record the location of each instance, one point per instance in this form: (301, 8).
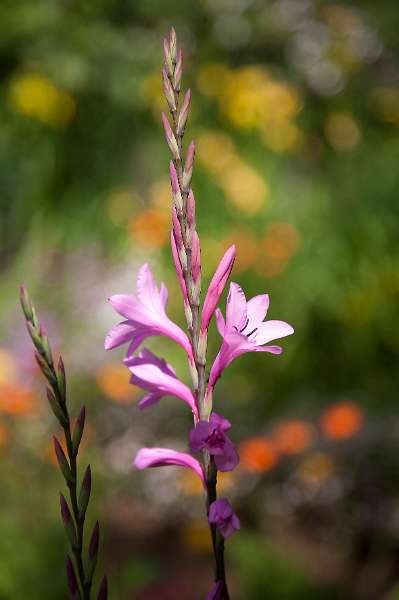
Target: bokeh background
(295, 113)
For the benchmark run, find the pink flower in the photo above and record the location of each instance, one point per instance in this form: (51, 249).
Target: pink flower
(211, 435)
(164, 457)
(216, 286)
(222, 515)
(217, 592)
(158, 377)
(146, 316)
(245, 330)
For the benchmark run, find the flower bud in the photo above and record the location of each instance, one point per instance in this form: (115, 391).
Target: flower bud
(168, 91)
(61, 378)
(191, 209)
(78, 430)
(196, 258)
(71, 577)
(103, 591)
(170, 138)
(68, 522)
(56, 408)
(188, 167)
(25, 303)
(173, 45)
(167, 58)
(174, 180)
(62, 461)
(183, 114)
(84, 495)
(93, 548)
(216, 286)
(178, 71)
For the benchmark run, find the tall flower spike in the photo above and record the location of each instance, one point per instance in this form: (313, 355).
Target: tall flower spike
(163, 457)
(245, 330)
(157, 377)
(145, 316)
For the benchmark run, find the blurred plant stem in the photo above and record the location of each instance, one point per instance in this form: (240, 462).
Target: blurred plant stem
(79, 576)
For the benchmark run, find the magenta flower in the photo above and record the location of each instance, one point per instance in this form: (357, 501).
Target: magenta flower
(245, 330)
(217, 591)
(216, 286)
(211, 435)
(157, 377)
(146, 316)
(222, 515)
(163, 457)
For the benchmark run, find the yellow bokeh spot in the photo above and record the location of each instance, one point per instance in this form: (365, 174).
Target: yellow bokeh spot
(282, 136)
(386, 104)
(160, 195)
(35, 96)
(245, 188)
(316, 468)
(342, 131)
(8, 366)
(212, 78)
(151, 92)
(189, 483)
(113, 381)
(247, 249)
(216, 151)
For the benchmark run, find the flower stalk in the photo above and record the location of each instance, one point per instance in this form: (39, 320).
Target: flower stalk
(73, 514)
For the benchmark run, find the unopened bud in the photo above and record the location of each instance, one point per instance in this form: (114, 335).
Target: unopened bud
(170, 138)
(188, 167)
(45, 369)
(25, 303)
(173, 45)
(61, 378)
(84, 495)
(183, 258)
(45, 344)
(168, 91)
(93, 548)
(71, 577)
(188, 314)
(103, 591)
(202, 345)
(68, 522)
(196, 258)
(177, 229)
(78, 430)
(193, 373)
(167, 58)
(56, 408)
(35, 336)
(62, 461)
(178, 72)
(183, 114)
(191, 209)
(174, 180)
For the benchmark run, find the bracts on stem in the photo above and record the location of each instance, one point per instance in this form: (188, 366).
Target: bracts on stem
(80, 572)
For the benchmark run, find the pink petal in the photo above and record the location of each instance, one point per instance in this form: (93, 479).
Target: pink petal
(126, 305)
(220, 324)
(272, 330)
(118, 335)
(147, 290)
(160, 457)
(256, 310)
(236, 308)
(216, 286)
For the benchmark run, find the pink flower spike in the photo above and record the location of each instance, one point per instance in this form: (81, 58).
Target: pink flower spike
(216, 286)
(145, 316)
(245, 330)
(157, 377)
(222, 515)
(178, 268)
(163, 457)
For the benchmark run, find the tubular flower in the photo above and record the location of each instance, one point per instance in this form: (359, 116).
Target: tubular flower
(222, 515)
(216, 286)
(211, 435)
(157, 377)
(163, 457)
(245, 330)
(146, 316)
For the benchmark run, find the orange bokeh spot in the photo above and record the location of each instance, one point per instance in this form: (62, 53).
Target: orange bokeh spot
(293, 437)
(113, 381)
(258, 455)
(341, 421)
(16, 399)
(150, 228)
